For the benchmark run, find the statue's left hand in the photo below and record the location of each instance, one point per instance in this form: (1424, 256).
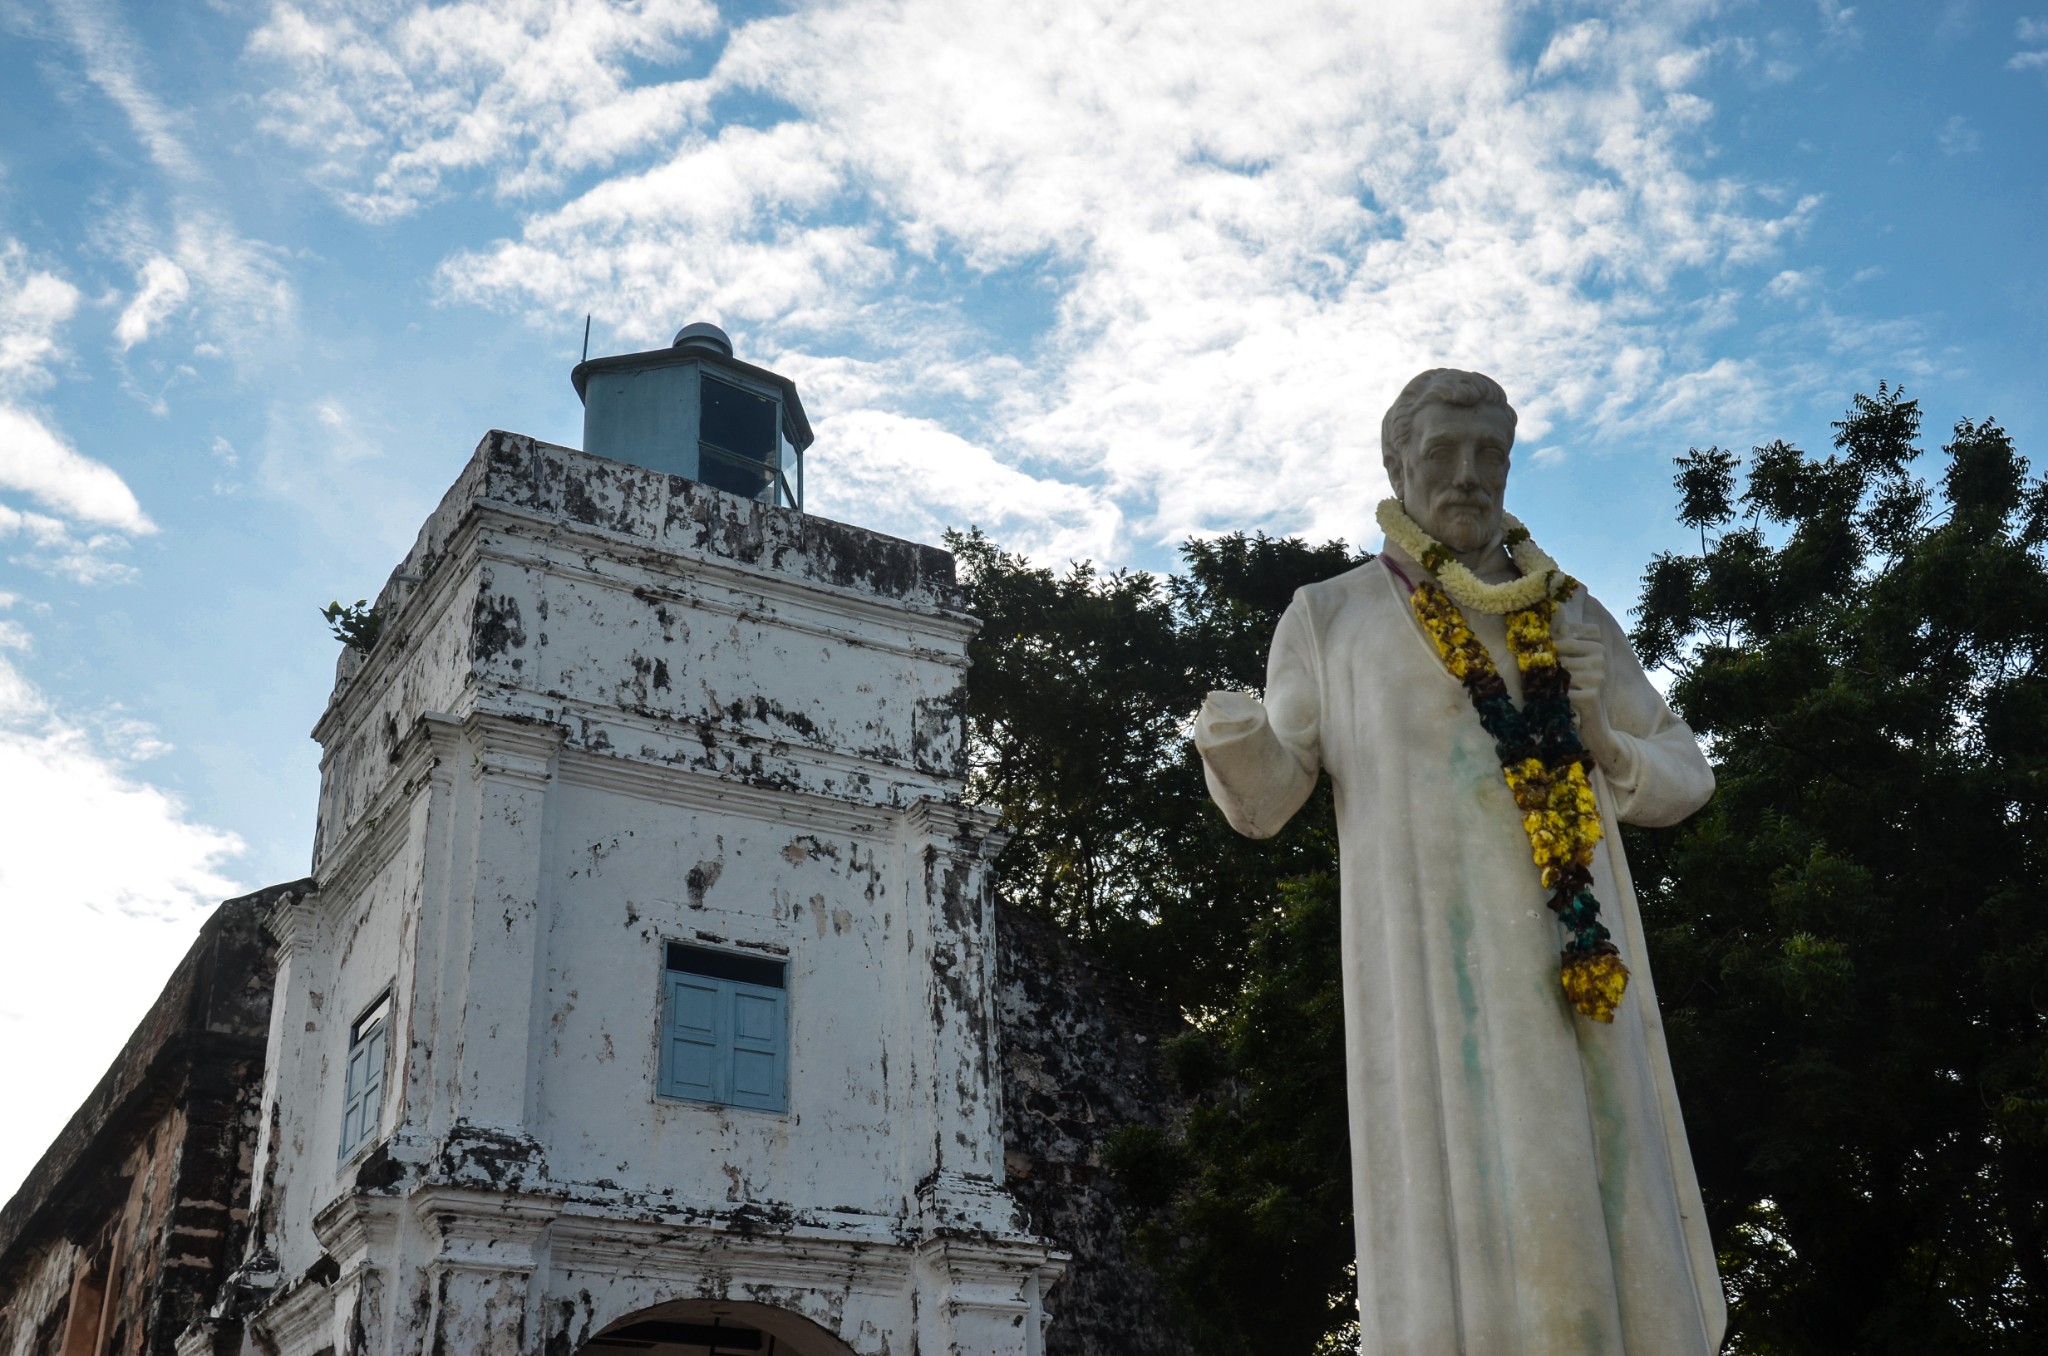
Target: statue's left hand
(1585, 658)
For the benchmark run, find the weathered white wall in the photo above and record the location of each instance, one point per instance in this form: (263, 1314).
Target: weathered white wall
(613, 709)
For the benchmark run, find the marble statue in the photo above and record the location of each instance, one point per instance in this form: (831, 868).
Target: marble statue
(1520, 1171)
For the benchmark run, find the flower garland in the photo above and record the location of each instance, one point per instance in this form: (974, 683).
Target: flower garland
(1546, 766)
(1541, 578)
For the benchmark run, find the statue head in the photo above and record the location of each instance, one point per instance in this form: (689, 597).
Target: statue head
(1445, 441)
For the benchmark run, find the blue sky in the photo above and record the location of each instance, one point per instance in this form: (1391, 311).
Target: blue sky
(1093, 275)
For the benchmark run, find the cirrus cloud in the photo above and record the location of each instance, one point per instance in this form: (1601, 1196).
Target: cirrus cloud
(34, 458)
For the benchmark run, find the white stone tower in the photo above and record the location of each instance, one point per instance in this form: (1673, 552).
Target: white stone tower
(644, 1003)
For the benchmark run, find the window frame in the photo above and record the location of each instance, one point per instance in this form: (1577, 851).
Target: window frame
(720, 1017)
(776, 467)
(369, 1035)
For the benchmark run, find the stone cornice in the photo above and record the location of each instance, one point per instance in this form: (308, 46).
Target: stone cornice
(354, 1224)
(680, 1254)
(761, 588)
(508, 747)
(295, 923)
(487, 525)
(484, 1231)
(298, 1317)
(899, 783)
(689, 788)
(944, 820)
(532, 750)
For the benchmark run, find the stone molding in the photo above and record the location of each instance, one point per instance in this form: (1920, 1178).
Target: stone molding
(694, 789)
(772, 587)
(297, 1318)
(943, 821)
(489, 526)
(993, 1275)
(484, 1232)
(355, 1228)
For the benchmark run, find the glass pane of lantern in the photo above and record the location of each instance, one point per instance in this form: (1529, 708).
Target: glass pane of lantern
(735, 475)
(738, 421)
(792, 473)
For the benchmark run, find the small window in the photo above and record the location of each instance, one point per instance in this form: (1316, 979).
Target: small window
(740, 447)
(725, 1029)
(363, 1087)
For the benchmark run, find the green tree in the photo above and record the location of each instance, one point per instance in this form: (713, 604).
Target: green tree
(1079, 701)
(1246, 1203)
(1851, 941)
(1079, 704)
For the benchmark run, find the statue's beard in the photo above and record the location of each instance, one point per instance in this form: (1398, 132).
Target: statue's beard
(1463, 530)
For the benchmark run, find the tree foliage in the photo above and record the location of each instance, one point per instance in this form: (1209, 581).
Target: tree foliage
(1851, 942)
(356, 625)
(1248, 1200)
(1078, 707)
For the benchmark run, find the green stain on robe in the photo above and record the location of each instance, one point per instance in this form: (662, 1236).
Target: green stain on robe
(1610, 1127)
(1458, 923)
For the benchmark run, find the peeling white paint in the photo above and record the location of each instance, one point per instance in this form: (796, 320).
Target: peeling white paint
(622, 709)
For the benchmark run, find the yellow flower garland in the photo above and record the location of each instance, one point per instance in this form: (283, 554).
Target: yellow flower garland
(1541, 577)
(1545, 765)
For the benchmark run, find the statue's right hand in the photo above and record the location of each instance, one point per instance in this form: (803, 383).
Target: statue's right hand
(1226, 714)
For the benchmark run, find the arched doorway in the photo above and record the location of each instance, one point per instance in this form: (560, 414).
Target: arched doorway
(715, 1328)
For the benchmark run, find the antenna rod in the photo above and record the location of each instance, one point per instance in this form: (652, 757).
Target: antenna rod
(586, 336)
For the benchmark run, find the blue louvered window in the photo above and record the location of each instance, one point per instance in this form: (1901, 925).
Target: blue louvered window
(724, 1029)
(363, 1082)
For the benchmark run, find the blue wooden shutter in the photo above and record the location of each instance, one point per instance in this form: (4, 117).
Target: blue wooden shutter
(362, 1089)
(691, 1055)
(760, 1044)
(352, 1103)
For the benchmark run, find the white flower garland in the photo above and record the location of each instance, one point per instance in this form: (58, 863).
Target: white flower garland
(1541, 578)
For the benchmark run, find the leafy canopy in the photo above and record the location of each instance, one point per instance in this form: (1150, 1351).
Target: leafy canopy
(1081, 696)
(1852, 940)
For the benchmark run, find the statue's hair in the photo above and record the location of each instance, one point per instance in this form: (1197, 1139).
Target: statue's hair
(1444, 385)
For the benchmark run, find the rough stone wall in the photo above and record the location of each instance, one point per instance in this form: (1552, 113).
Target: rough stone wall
(1080, 1057)
(137, 1210)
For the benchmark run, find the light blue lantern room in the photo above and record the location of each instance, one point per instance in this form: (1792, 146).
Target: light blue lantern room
(694, 410)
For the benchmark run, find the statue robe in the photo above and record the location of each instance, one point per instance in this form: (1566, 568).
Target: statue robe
(1520, 1173)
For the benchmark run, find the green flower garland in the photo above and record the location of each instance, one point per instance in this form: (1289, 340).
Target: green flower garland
(1547, 767)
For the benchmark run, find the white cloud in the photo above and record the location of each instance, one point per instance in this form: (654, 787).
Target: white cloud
(55, 547)
(106, 880)
(34, 458)
(161, 287)
(1791, 283)
(390, 110)
(33, 304)
(114, 62)
(919, 479)
(2030, 31)
(244, 295)
(1571, 47)
(1838, 24)
(1233, 283)
(1958, 137)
